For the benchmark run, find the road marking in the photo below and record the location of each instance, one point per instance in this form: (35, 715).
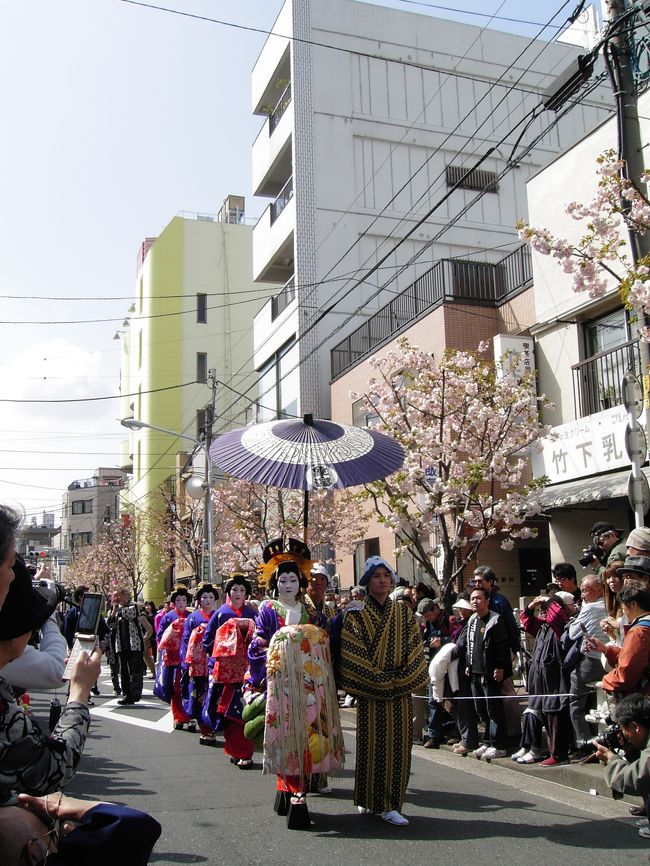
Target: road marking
(110, 709)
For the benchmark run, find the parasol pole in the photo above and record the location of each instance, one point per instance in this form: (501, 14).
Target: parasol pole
(308, 418)
(305, 516)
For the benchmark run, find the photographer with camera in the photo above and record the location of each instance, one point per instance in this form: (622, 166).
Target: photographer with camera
(632, 730)
(29, 761)
(607, 545)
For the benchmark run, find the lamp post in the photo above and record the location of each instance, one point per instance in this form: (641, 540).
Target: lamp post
(206, 488)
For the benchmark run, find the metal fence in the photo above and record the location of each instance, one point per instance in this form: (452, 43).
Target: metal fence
(276, 115)
(283, 199)
(461, 280)
(597, 380)
(281, 301)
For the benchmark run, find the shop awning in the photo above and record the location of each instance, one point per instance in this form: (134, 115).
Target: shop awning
(593, 489)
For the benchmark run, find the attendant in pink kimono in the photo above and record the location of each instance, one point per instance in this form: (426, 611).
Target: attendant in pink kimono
(170, 636)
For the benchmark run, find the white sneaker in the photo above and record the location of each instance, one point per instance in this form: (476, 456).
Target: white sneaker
(478, 753)
(348, 701)
(395, 818)
(519, 754)
(530, 758)
(363, 811)
(493, 752)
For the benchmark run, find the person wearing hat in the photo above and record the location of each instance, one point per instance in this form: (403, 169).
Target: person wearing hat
(289, 659)
(611, 541)
(466, 716)
(382, 664)
(546, 682)
(32, 762)
(638, 542)
(314, 598)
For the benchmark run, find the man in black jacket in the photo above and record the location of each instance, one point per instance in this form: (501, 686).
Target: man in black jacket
(489, 662)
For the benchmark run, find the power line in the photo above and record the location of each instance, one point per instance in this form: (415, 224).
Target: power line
(98, 399)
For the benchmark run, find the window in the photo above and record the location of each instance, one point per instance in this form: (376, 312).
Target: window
(479, 180)
(201, 366)
(279, 384)
(81, 539)
(82, 506)
(609, 352)
(201, 308)
(362, 416)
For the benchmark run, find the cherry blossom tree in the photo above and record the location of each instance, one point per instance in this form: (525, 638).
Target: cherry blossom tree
(602, 253)
(466, 425)
(126, 555)
(247, 516)
(182, 524)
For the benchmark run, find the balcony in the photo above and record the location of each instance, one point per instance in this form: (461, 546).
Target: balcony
(282, 300)
(450, 280)
(597, 380)
(273, 243)
(276, 115)
(283, 199)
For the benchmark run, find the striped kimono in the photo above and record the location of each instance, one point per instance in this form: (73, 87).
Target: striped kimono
(381, 663)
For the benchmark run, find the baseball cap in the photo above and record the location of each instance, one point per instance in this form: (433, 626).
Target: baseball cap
(318, 568)
(566, 597)
(426, 605)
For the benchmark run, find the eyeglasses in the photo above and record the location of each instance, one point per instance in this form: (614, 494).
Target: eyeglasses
(54, 835)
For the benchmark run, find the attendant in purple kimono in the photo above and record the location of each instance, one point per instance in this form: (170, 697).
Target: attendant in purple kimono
(194, 663)
(223, 707)
(180, 598)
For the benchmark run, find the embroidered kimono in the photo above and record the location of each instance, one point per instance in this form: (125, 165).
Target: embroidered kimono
(382, 663)
(223, 707)
(169, 660)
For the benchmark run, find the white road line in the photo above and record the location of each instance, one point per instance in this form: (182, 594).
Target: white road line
(111, 710)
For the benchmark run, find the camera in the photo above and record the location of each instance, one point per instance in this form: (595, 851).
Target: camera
(610, 738)
(591, 553)
(49, 588)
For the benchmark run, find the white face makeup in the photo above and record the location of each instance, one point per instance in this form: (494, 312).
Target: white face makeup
(207, 602)
(181, 603)
(237, 596)
(288, 587)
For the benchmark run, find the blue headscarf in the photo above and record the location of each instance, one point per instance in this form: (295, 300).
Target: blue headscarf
(372, 563)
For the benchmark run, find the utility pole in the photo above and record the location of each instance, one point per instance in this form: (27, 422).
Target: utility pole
(210, 409)
(619, 56)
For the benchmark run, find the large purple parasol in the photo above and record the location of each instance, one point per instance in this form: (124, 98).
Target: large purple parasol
(307, 454)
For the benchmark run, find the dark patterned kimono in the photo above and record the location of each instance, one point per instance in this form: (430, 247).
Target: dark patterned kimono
(381, 663)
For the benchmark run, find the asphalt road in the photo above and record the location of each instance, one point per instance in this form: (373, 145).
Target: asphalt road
(460, 809)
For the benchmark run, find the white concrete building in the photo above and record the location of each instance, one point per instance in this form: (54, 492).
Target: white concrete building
(372, 116)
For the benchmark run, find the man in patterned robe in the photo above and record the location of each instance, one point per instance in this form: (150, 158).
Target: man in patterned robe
(381, 663)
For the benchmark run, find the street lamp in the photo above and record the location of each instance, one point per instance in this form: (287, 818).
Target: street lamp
(204, 488)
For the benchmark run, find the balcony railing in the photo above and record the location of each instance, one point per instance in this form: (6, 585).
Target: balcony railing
(283, 199)
(597, 380)
(283, 103)
(284, 297)
(457, 280)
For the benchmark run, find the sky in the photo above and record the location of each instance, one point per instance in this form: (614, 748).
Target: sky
(116, 118)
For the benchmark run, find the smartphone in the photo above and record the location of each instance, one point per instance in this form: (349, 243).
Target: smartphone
(86, 635)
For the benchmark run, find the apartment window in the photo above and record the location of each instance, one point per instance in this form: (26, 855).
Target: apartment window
(279, 384)
(81, 539)
(201, 308)
(201, 366)
(362, 416)
(479, 180)
(610, 350)
(82, 506)
(201, 419)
